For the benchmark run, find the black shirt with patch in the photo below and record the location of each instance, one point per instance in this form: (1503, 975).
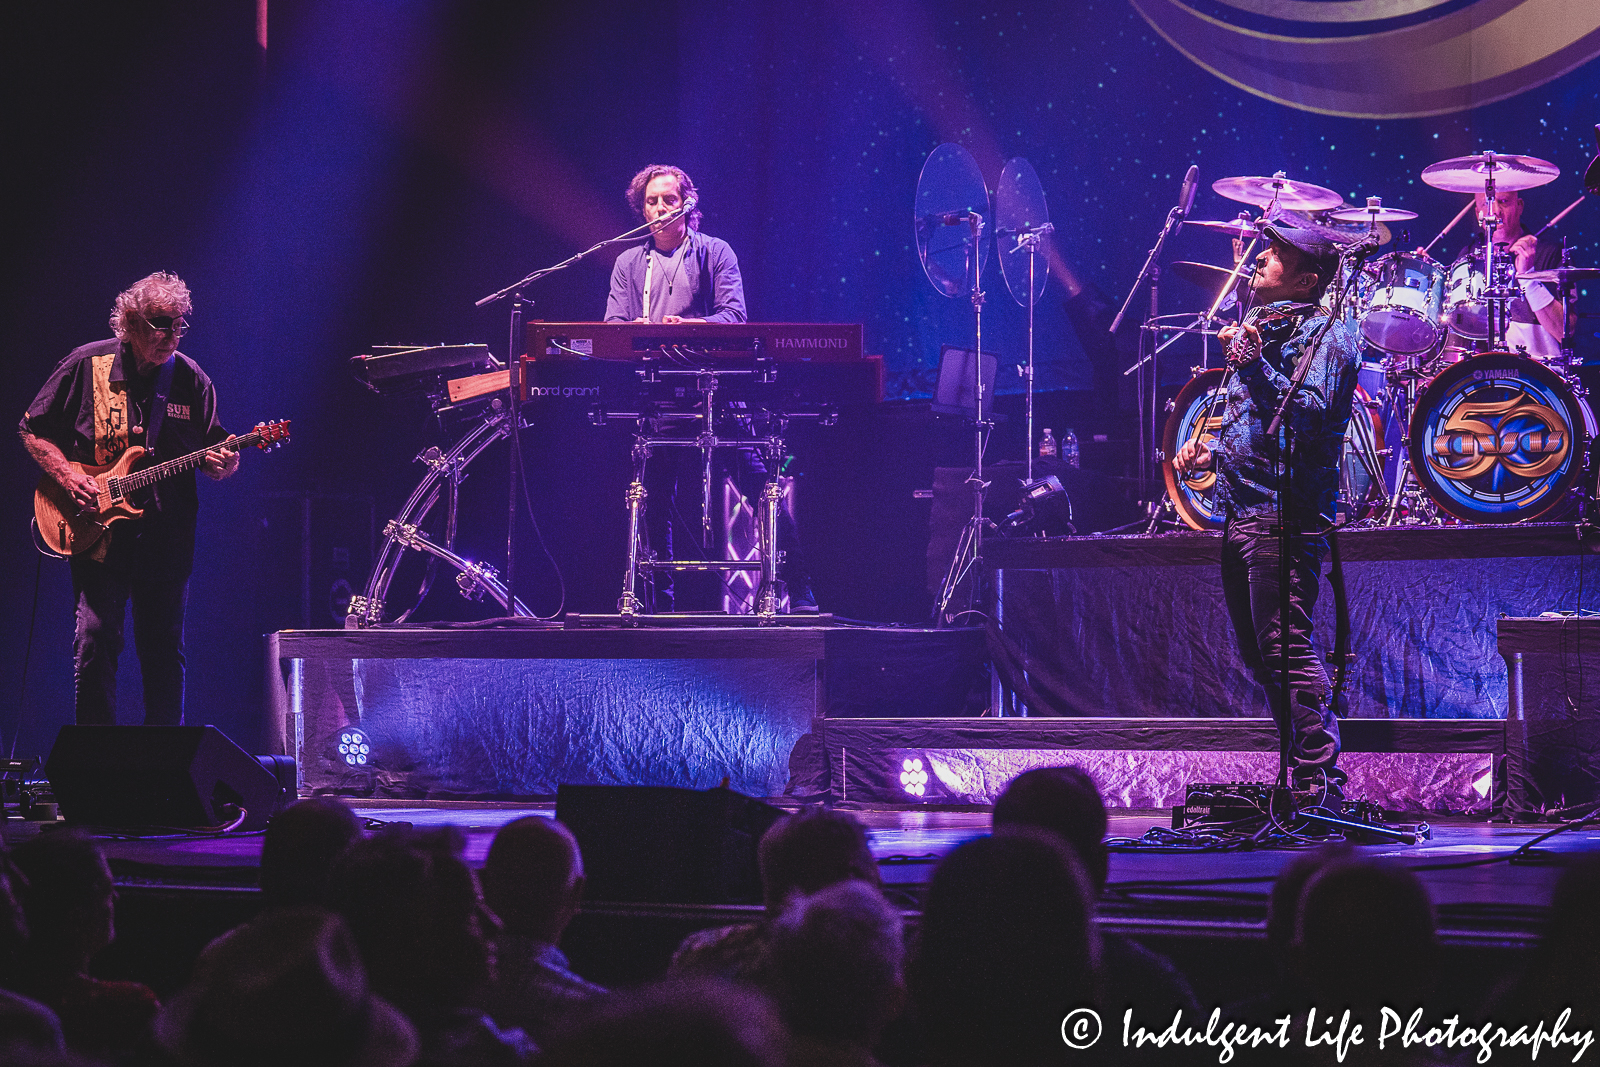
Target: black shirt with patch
(160, 544)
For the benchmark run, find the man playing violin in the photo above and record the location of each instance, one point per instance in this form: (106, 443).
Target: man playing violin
(1254, 484)
(133, 389)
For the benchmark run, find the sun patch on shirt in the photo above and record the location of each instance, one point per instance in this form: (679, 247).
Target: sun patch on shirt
(177, 411)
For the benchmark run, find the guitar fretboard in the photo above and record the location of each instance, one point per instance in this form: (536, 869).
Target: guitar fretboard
(150, 475)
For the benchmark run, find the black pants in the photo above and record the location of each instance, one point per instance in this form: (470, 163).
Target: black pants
(1250, 584)
(103, 595)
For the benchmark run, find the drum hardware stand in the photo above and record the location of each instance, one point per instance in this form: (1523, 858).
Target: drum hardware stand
(1161, 509)
(1151, 270)
(1497, 291)
(1162, 512)
(641, 561)
(446, 470)
(1371, 458)
(1408, 497)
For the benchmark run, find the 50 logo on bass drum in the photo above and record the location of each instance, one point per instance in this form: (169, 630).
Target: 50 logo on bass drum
(1497, 438)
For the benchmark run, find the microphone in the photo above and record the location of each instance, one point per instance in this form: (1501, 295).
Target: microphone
(1186, 194)
(1185, 197)
(1363, 247)
(1030, 234)
(678, 212)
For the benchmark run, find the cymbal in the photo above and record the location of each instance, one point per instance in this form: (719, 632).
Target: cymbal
(1372, 214)
(1233, 226)
(1469, 174)
(1297, 196)
(1559, 275)
(1205, 275)
(1351, 231)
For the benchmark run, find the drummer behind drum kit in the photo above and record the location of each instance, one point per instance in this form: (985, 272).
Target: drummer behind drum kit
(1450, 421)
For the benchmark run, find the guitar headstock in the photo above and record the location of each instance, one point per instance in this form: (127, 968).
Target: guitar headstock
(271, 434)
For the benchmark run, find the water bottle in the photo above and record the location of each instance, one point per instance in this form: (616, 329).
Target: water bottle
(1048, 448)
(1069, 449)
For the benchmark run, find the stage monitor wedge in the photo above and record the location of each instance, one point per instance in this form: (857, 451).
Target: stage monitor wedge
(665, 845)
(148, 777)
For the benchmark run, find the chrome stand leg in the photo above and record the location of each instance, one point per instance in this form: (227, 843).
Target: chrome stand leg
(767, 599)
(629, 605)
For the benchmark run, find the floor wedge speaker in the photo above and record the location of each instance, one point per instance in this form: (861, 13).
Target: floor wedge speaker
(179, 777)
(665, 845)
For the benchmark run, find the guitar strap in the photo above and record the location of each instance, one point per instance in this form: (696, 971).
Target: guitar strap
(110, 411)
(158, 406)
(111, 423)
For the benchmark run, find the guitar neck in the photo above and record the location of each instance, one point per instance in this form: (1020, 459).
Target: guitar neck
(150, 475)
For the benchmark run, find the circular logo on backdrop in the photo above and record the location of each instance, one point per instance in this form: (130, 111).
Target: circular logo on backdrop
(1381, 59)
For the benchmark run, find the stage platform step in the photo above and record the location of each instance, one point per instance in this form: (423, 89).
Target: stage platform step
(491, 712)
(1424, 765)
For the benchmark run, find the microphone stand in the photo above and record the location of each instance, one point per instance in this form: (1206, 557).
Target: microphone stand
(1028, 237)
(1284, 715)
(1152, 271)
(513, 379)
(969, 548)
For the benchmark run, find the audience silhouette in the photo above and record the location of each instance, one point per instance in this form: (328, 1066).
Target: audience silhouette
(1006, 950)
(800, 853)
(1065, 801)
(427, 941)
(70, 907)
(533, 880)
(836, 972)
(380, 951)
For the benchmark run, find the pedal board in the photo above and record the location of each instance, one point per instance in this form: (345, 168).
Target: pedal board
(1236, 805)
(1221, 803)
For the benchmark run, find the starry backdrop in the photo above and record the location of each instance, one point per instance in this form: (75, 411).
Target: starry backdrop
(382, 164)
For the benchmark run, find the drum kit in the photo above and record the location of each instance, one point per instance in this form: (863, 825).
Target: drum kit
(1456, 417)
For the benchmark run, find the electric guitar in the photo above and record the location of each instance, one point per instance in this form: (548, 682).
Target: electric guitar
(67, 529)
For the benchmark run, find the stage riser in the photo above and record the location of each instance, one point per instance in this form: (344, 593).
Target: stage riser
(1458, 782)
(521, 728)
(1137, 626)
(505, 713)
(1417, 765)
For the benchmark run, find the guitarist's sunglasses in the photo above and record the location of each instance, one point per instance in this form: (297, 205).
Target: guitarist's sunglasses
(167, 324)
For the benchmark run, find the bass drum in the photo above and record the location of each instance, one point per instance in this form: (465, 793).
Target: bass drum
(1194, 494)
(1499, 438)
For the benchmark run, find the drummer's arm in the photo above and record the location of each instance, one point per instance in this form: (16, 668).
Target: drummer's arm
(1547, 309)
